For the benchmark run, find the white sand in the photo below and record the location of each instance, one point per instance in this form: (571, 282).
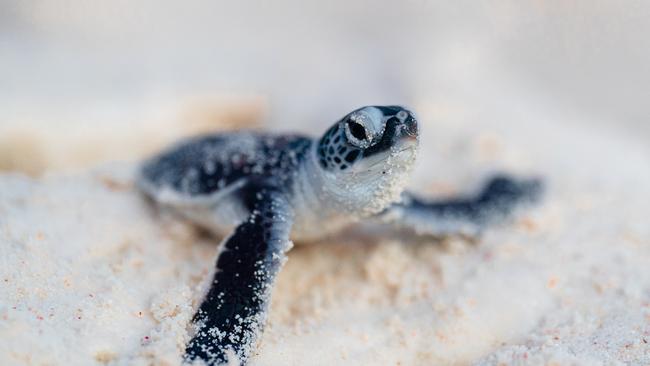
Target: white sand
(89, 274)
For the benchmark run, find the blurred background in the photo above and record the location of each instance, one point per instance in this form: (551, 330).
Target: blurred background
(83, 82)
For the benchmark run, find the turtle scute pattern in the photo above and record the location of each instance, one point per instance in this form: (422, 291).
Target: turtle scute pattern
(205, 165)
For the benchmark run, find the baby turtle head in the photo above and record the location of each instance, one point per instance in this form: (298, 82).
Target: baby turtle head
(368, 153)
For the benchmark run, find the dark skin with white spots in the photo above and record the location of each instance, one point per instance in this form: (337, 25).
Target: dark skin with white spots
(269, 180)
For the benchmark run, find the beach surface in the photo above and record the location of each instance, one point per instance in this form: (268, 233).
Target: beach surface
(92, 274)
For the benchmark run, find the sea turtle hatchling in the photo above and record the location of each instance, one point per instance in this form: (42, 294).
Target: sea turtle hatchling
(261, 190)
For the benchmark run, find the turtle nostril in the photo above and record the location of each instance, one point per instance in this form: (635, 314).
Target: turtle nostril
(411, 127)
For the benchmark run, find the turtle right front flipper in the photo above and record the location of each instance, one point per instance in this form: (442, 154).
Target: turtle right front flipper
(466, 216)
(233, 313)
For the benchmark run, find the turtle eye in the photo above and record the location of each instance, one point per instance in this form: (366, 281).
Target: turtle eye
(357, 131)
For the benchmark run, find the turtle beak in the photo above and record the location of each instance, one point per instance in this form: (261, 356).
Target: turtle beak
(408, 129)
(401, 132)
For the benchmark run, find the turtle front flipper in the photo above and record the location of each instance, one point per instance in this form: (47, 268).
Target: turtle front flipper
(233, 313)
(466, 216)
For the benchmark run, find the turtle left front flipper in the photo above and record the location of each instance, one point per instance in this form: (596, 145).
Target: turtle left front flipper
(233, 313)
(466, 216)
